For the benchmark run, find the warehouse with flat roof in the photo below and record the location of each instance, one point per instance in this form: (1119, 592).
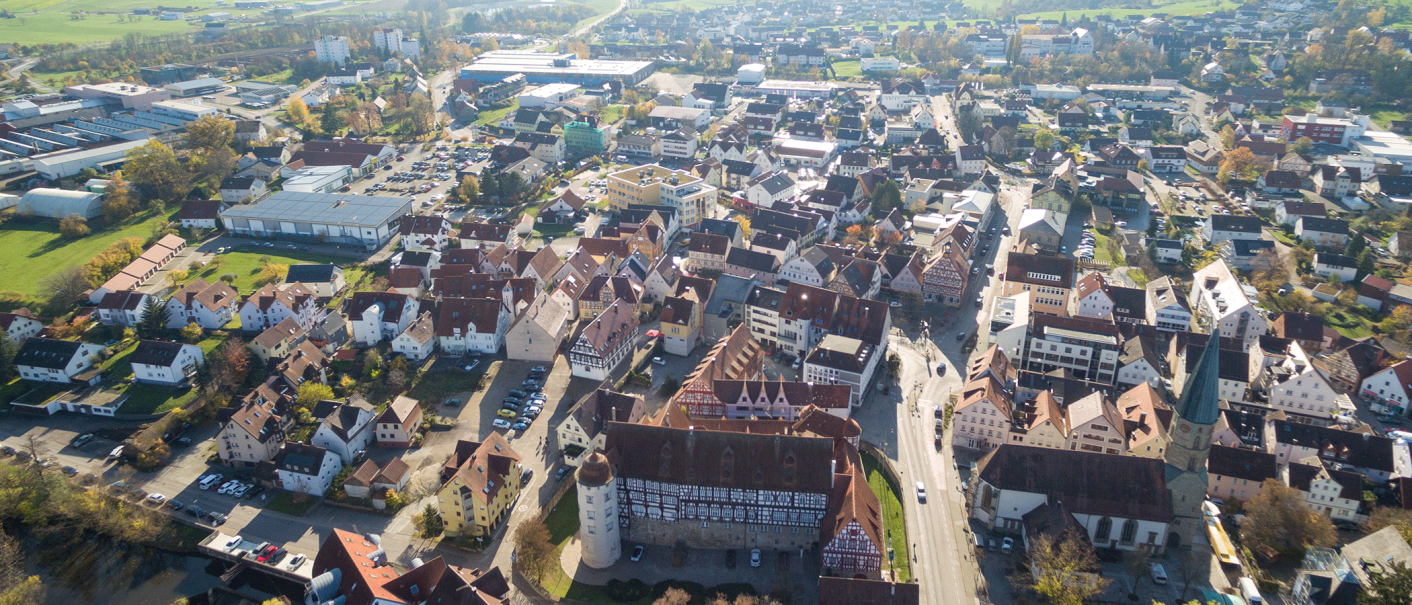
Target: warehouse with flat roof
(196, 88)
(365, 220)
(555, 67)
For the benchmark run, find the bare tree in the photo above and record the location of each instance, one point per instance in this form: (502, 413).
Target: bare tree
(65, 287)
(35, 446)
(1136, 562)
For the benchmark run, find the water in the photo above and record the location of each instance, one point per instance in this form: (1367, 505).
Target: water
(97, 571)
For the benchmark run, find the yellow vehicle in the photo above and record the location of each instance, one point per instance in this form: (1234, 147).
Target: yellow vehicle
(505, 414)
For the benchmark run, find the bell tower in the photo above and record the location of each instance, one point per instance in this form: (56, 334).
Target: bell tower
(1197, 413)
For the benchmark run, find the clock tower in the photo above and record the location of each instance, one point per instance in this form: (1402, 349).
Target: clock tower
(1197, 413)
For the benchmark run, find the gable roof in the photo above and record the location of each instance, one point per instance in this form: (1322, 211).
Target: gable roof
(1088, 483)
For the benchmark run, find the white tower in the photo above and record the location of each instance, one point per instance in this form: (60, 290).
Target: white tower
(598, 513)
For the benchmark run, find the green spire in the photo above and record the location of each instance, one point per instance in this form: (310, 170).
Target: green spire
(1200, 403)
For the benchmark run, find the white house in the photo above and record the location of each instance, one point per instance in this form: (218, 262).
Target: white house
(1166, 308)
(347, 429)
(1389, 390)
(210, 306)
(252, 434)
(764, 190)
(168, 363)
(1219, 299)
(472, 324)
(1221, 227)
(1345, 268)
(418, 341)
(20, 325)
(124, 308)
(841, 360)
(51, 360)
(273, 303)
(306, 469)
(378, 316)
(1306, 393)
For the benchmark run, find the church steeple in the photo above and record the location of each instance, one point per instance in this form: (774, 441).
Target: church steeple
(1197, 413)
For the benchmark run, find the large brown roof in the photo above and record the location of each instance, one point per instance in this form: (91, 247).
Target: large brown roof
(797, 394)
(606, 332)
(482, 466)
(696, 457)
(1087, 483)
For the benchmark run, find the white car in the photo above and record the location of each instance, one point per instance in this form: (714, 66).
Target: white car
(156, 498)
(234, 542)
(296, 562)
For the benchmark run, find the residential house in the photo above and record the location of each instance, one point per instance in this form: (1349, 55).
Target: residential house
(1325, 233)
(277, 341)
(250, 434)
(208, 305)
(19, 325)
(1389, 390)
(584, 429)
(418, 341)
(62, 361)
(325, 280)
(305, 469)
(273, 303)
(124, 308)
(1220, 302)
(1221, 227)
(371, 481)
(378, 316)
(164, 363)
(1167, 309)
(605, 342)
(481, 482)
(348, 428)
(399, 423)
(472, 324)
(841, 360)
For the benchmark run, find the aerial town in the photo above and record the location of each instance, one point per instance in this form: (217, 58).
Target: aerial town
(702, 302)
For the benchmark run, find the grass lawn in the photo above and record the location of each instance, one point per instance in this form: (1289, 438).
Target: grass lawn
(50, 20)
(848, 69)
(14, 389)
(246, 265)
(1100, 247)
(31, 250)
(563, 523)
(279, 77)
(1139, 278)
(437, 386)
(893, 517)
(490, 117)
(1184, 7)
(612, 113)
(1383, 114)
(291, 503)
(1348, 324)
(600, 8)
(146, 399)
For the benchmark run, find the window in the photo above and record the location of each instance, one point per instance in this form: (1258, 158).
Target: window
(1105, 528)
(1129, 531)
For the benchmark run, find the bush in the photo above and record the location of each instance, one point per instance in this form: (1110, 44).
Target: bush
(73, 226)
(627, 592)
(697, 591)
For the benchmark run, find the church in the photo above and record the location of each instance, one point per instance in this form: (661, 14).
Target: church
(1128, 503)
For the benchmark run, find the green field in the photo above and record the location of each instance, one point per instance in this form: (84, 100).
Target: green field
(847, 69)
(31, 250)
(1185, 7)
(490, 117)
(246, 265)
(52, 21)
(893, 518)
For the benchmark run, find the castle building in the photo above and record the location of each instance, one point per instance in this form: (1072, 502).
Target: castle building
(599, 530)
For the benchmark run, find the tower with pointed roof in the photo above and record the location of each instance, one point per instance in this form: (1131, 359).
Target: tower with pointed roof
(1197, 413)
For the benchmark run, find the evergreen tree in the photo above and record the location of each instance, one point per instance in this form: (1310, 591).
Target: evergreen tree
(7, 358)
(1356, 245)
(1366, 263)
(153, 322)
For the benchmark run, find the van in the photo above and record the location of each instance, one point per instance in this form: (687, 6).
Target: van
(1159, 574)
(980, 541)
(921, 493)
(209, 481)
(1249, 591)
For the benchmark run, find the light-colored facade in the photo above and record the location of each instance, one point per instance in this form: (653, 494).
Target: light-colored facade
(693, 199)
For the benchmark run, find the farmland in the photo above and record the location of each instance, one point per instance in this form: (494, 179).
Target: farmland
(31, 250)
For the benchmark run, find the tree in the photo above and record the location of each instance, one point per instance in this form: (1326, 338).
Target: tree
(1392, 587)
(469, 190)
(1302, 145)
(886, 197)
(1385, 516)
(331, 122)
(968, 123)
(209, 133)
(73, 226)
(372, 363)
(1278, 520)
(1043, 139)
(744, 222)
(1356, 246)
(1228, 137)
(65, 287)
(1270, 268)
(1240, 164)
(428, 522)
(8, 349)
(230, 366)
(1367, 263)
(192, 333)
(1064, 568)
(154, 320)
(117, 200)
(298, 112)
(534, 554)
(674, 596)
(1397, 322)
(311, 393)
(156, 173)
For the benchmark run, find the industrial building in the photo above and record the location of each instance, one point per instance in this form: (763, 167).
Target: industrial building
(368, 221)
(196, 88)
(158, 75)
(555, 67)
(129, 96)
(797, 89)
(60, 164)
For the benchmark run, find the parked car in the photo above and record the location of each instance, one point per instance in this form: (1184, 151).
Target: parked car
(754, 557)
(659, 361)
(500, 423)
(81, 440)
(1007, 545)
(637, 553)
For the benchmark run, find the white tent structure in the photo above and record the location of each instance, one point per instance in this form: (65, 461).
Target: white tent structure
(59, 203)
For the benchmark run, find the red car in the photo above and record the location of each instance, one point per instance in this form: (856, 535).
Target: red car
(266, 553)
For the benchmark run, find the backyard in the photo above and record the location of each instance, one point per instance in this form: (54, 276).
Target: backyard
(32, 249)
(246, 266)
(146, 399)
